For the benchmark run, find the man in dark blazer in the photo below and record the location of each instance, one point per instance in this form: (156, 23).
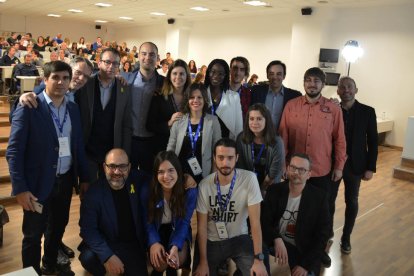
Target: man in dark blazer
(274, 95)
(111, 220)
(362, 149)
(46, 156)
(105, 107)
(295, 219)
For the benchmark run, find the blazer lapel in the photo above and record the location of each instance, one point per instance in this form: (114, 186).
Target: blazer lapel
(207, 135)
(109, 206)
(90, 92)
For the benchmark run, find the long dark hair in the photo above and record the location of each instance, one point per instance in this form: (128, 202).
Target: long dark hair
(168, 86)
(269, 132)
(224, 86)
(177, 200)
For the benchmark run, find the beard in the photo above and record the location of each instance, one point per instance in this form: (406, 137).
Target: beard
(225, 171)
(314, 95)
(114, 182)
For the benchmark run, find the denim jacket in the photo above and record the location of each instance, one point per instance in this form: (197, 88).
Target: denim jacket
(181, 226)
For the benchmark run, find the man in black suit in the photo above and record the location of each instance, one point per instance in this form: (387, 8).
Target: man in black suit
(295, 219)
(274, 95)
(362, 150)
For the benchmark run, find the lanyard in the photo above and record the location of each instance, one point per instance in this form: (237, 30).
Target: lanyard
(57, 121)
(193, 139)
(258, 156)
(240, 89)
(233, 181)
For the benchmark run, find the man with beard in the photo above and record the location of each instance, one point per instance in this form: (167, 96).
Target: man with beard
(274, 95)
(312, 124)
(225, 199)
(144, 81)
(110, 221)
(295, 219)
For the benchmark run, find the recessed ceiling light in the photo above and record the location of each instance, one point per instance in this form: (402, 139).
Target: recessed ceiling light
(255, 3)
(126, 18)
(103, 5)
(75, 11)
(101, 21)
(157, 13)
(199, 9)
(3, 1)
(323, 2)
(53, 15)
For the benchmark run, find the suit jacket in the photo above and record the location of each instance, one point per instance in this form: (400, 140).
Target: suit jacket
(259, 93)
(33, 149)
(211, 134)
(364, 139)
(312, 224)
(85, 98)
(98, 219)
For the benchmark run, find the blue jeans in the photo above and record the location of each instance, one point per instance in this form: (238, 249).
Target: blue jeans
(239, 249)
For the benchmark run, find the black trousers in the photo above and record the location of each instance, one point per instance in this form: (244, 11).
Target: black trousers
(325, 183)
(132, 256)
(352, 183)
(51, 223)
(142, 153)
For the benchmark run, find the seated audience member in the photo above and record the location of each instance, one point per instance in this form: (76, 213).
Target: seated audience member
(295, 219)
(253, 80)
(64, 46)
(81, 43)
(164, 68)
(12, 39)
(9, 58)
(54, 47)
(170, 209)
(194, 134)
(127, 67)
(199, 78)
(62, 56)
(193, 67)
(225, 200)
(54, 56)
(169, 58)
(40, 45)
(58, 38)
(260, 148)
(74, 48)
(97, 44)
(223, 102)
(37, 58)
(111, 220)
(165, 108)
(27, 68)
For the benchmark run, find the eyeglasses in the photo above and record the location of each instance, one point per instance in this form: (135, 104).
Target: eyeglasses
(114, 167)
(108, 63)
(300, 171)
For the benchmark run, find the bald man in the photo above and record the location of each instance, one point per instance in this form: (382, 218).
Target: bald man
(111, 223)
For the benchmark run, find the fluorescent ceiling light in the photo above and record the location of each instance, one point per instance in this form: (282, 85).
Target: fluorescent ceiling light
(101, 21)
(126, 18)
(199, 9)
(53, 15)
(3, 1)
(75, 11)
(255, 3)
(157, 13)
(104, 5)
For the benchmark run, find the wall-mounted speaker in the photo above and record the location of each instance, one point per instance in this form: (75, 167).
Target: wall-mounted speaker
(97, 27)
(306, 11)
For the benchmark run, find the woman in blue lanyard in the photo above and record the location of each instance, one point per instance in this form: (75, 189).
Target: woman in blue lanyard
(166, 107)
(224, 103)
(260, 148)
(170, 208)
(194, 135)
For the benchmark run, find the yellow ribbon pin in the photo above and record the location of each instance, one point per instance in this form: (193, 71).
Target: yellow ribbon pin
(132, 191)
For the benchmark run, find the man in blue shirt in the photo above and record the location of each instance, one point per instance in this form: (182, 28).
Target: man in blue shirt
(46, 156)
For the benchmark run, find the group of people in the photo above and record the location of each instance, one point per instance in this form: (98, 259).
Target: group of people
(144, 151)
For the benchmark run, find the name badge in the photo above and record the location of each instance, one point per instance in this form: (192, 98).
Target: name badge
(222, 230)
(64, 149)
(195, 166)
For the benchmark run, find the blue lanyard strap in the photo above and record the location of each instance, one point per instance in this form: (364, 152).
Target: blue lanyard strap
(193, 139)
(57, 121)
(257, 160)
(233, 181)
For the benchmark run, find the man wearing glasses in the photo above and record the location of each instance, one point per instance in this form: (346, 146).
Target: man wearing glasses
(105, 106)
(295, 221)
(111, 223)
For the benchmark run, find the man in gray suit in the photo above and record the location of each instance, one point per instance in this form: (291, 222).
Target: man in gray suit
(105, 107)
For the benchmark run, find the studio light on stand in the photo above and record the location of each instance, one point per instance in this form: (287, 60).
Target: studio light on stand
(351, 52)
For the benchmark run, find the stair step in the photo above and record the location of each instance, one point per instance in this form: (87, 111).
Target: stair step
(8, 200)
(406, 162)
(404, 173)
(4, 139)
(4, 114)
(5, 194)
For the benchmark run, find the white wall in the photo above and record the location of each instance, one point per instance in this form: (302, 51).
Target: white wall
(46, 26)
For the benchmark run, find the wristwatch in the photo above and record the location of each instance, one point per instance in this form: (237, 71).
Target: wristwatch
(259, 256)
